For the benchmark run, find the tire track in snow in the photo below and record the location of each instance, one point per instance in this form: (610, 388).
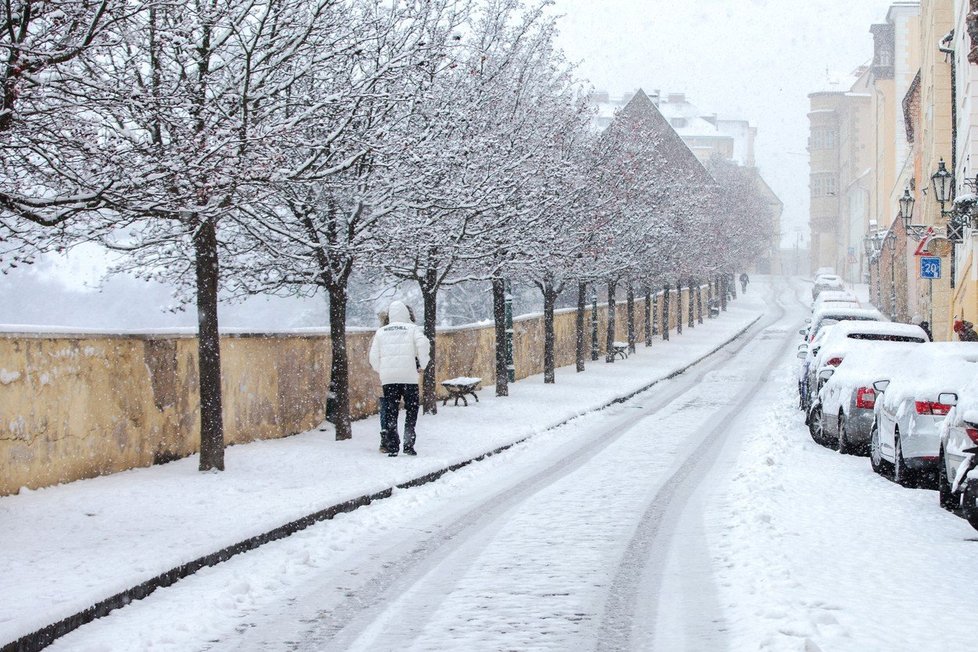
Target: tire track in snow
(630, 615)
(437, 561)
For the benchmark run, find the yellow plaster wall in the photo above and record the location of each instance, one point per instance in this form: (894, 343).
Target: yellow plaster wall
(78, 406)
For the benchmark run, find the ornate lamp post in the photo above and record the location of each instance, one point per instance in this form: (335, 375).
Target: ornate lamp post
(915, 231)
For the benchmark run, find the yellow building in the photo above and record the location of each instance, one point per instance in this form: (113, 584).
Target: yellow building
(964, 272)
(840, 147)
(893, 74)
(928, 126)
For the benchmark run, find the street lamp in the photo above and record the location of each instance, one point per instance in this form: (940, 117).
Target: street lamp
(943, 185)
(915, 231)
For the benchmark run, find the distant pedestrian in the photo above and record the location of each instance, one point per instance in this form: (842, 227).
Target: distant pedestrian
(965, 330)
(744, 280)
(920, 321)
(398, 352)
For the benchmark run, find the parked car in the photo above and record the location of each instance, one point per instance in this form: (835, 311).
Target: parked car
(847, 399)
(906, 438)
(957, 480)
(832, 315)
(807, 356)
(835, 299)
(845, 337)
(827, 282)
(824, 271)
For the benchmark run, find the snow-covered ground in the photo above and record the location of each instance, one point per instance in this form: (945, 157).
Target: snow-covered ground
(66, 547)
(698, 515)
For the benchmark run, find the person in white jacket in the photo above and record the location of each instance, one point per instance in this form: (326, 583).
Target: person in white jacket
(398, 352)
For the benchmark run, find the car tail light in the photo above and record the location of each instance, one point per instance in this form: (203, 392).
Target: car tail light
(972, 434)
(865, 398)
(932, 407)
(834, 362)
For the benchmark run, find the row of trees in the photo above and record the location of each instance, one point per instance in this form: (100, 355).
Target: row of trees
(280, 146)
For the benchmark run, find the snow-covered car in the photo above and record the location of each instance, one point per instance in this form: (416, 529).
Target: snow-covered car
(847, 398)
(824, 271)
(835, 299)
(844, 337)
(957, 481)
(906, 436)
(807, 356)
(827, 282)
(832, 315)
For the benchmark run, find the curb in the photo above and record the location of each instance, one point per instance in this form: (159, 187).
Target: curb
(43, 637)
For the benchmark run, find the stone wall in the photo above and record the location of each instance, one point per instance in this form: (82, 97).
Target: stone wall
(80, 405)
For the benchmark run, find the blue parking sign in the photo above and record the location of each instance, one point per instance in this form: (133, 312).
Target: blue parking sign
(930, 267)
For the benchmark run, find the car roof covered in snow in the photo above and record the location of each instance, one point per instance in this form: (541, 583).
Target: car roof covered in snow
(849, 328)
(840, 313)
(870, 362)
(931, 369)
(837, 314)
(836, 295)
(850, 335)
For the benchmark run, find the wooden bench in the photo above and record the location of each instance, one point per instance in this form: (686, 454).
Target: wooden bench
(459, 388)
(619, 349)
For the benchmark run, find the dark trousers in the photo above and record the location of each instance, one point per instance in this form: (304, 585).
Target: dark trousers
(393, 393)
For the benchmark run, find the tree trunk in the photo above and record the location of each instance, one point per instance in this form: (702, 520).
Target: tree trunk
(579, 325)
(665, 312)
(549, 299)
(339, 369)
(732, 284)
(630, 314)
(609, 354)
(648, 316)
(655, 313)
(429, 294)
(679, 307)
(722, 282)
(209, 348)
(595, 348)
(699, 302)
(691, 318)
(499, 321)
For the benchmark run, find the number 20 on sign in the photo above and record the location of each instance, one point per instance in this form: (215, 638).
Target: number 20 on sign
(930, 267)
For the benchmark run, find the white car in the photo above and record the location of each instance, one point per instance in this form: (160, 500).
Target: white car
(835, 299)
(844, 337)
(957, 480)
(906, 436)
(827, 282)
(848, 397)
(832, 315)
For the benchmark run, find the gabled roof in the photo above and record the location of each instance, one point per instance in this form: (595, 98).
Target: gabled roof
(641, 116)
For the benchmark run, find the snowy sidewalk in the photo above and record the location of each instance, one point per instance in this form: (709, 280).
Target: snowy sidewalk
(68, 547)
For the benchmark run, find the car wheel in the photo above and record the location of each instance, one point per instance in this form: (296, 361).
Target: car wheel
(901, 474)
(815, 425)
(875, 454)
(944, 485)
(844, 446)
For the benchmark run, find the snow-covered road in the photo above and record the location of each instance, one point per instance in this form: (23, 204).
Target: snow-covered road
(698, 515)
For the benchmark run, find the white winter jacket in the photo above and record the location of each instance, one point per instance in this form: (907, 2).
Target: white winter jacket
(399, 348)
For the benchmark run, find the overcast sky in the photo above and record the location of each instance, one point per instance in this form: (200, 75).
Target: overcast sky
(749, 59)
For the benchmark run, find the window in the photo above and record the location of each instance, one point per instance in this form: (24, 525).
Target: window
(823, 185)
(824, 138)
